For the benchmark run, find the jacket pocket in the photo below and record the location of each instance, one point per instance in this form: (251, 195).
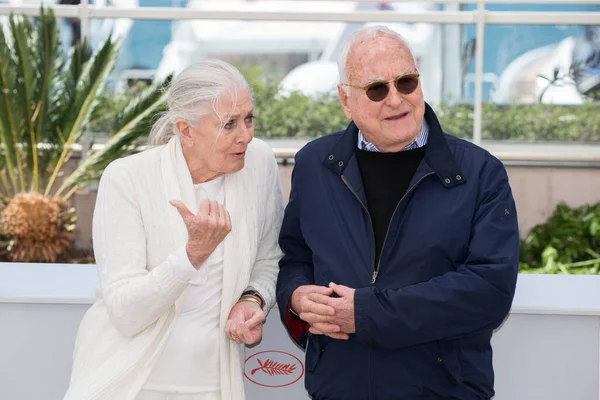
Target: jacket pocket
(315, 347)
(449, 358)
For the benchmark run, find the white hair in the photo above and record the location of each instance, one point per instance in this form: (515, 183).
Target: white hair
(194, 93)
(361, 33)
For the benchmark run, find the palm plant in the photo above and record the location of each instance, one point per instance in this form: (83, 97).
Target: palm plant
(46, 100)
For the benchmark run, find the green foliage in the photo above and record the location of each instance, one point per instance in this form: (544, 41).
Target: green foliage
(298, 115)
(567, 243)
(131, 125)
(47, 100)
(295, 115)
(542, 122)
(110, 103)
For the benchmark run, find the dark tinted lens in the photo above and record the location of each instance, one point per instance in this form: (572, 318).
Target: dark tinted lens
(407, 84)
(377, 91)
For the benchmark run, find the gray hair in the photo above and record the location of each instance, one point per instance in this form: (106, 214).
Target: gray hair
(194, 93)
(365, 32)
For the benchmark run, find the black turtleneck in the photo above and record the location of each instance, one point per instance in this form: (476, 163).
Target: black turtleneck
(385, 177)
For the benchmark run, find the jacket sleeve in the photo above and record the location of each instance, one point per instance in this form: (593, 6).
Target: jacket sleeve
(296, 267)
(134, 297)
(266, 268)
(475, 297)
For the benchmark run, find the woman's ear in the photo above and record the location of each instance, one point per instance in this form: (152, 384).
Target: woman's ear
(185, 132)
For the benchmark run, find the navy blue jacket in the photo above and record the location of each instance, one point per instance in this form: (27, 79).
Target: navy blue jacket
(445, 281)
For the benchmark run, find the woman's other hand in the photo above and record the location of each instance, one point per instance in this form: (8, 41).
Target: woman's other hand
(206, 229)
(245, 322)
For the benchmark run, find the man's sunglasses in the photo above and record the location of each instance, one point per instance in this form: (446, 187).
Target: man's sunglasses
(377, 91)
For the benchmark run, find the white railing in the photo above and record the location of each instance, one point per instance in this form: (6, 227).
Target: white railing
(480, 17)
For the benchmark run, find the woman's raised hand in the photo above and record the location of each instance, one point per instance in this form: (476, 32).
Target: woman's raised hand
(206, 229)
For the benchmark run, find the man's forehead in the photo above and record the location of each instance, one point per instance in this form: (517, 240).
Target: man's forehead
(368, 70)
(374, 58)
(380, 44)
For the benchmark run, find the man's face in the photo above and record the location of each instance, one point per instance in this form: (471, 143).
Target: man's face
(394, 122)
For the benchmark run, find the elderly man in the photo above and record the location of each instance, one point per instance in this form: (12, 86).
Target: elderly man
(400, 241)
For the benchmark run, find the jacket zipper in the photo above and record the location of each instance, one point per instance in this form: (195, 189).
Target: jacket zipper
(366, 210)
(376, 267)
(410, 189)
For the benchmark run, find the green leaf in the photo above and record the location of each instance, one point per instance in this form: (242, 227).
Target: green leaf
(11, 111)
(87, 91)
(47, 69)
(568, 242)
(595, 227)
(132, 123)
(21, 30)
(89, 85)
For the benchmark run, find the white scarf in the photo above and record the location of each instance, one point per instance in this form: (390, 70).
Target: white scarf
(238, 245)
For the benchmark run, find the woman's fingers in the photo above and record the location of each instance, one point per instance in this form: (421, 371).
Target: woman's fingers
(204, 207)
(218, 210)
(246, 334)
(227, 327)
(207, 228)
(214, 209)
(234, 330)
(182, 209)
(227, 220)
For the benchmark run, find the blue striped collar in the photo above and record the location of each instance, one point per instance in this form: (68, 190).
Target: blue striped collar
(420, 140)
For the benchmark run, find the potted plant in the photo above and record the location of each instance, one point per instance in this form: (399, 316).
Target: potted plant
(46, 100)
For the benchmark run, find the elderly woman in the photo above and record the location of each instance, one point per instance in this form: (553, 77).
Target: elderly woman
(185, 239)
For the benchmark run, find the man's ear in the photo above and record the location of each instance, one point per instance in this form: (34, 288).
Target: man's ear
(344, 96)
(184, 130)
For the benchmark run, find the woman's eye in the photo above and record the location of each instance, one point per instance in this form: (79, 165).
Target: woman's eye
(230, 124)
(250, 119)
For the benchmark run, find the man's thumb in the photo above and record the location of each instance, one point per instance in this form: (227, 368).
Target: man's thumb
(340, 290)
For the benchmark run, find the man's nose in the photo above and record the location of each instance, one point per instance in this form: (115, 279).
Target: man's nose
(394, 97)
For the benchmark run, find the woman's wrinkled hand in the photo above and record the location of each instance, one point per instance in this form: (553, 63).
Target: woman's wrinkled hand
(245, 322)
(206, 230)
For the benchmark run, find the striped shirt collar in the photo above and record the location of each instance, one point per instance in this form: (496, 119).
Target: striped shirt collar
(420, 140)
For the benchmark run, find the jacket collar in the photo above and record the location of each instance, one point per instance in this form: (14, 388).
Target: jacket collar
(438, 157)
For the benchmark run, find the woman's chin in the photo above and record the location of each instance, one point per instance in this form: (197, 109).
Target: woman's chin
(236, 166)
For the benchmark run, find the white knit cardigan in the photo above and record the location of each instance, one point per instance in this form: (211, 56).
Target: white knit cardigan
(135, 230)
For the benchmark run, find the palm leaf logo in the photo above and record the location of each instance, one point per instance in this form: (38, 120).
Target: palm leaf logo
(273, 368)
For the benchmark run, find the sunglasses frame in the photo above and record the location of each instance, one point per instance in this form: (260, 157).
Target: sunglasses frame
(365, 88)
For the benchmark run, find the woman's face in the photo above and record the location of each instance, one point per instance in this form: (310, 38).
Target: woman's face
(209, 153)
